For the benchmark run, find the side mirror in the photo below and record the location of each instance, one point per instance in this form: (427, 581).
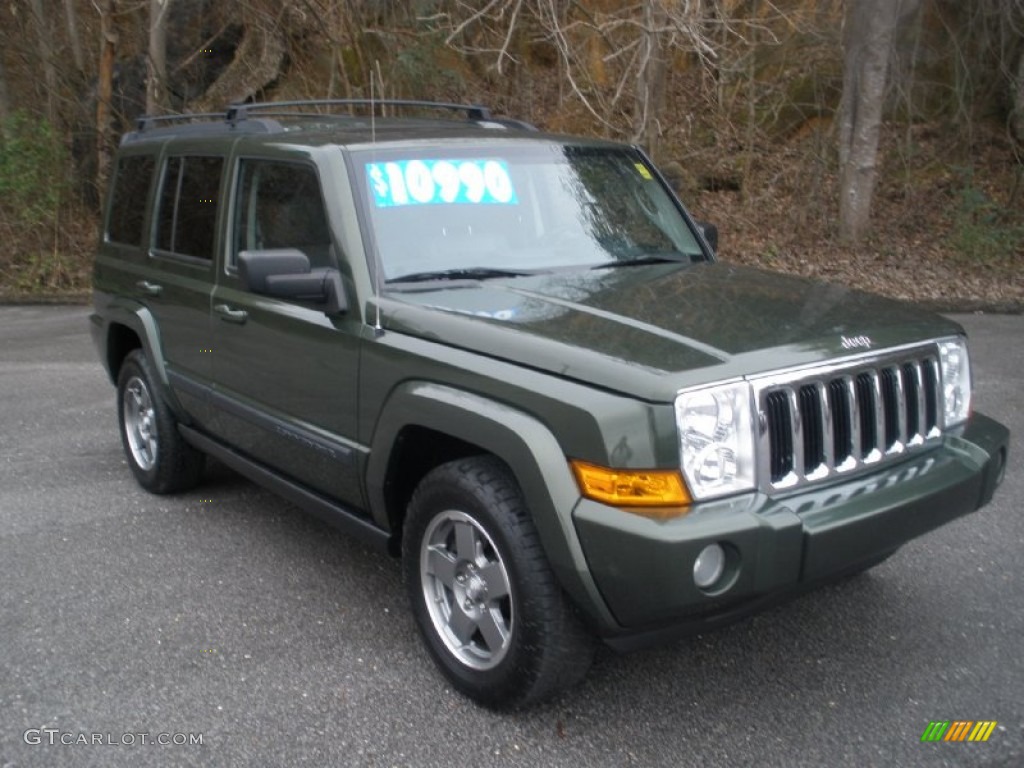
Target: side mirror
(710, 233)
(284, 273)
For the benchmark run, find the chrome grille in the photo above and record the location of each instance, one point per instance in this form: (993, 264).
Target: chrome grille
(818, 422)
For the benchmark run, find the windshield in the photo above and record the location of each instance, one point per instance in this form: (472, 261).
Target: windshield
(457, 211)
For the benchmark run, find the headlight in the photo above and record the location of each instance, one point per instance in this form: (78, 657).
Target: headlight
(716, 439)
(955, 367)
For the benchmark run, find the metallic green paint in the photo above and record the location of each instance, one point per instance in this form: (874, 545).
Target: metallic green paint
(575, 364)
(648, 331)
(524, 443)
(644, 568)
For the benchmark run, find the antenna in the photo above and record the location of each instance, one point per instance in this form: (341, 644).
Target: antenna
(373, 110)
(378, 329)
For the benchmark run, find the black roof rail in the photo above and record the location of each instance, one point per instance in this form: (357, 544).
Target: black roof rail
(238, 112)
(146, 122)
(258, 117)
(194, 125)
(510, 122)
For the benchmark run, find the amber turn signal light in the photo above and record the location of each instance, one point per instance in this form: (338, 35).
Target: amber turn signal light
(658, 493)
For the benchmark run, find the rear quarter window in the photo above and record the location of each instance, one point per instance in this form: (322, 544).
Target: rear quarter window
(125, 223)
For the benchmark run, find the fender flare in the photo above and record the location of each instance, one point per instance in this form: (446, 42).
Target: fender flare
(139, 319)
(528, 448)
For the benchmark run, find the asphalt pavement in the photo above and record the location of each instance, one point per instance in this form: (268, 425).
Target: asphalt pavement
(227, 617)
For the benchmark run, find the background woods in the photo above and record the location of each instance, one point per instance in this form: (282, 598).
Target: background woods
(878, 142)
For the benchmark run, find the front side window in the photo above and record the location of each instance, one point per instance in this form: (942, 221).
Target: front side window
(128, 199)
(187, 216)
(453, 208)
(279, 205)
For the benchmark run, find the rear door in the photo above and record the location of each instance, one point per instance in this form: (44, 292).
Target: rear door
(178, 280)
(285, 372)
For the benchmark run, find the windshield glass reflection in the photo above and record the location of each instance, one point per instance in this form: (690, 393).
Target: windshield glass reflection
(455, 211)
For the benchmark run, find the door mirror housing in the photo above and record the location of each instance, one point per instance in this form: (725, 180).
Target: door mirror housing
(284, 273)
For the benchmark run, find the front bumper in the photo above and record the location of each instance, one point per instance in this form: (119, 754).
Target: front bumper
(777, 547)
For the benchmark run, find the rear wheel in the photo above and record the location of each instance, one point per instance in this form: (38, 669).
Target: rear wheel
(487, 604)
(160, 459)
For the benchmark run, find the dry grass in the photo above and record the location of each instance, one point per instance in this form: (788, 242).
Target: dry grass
(945, 230)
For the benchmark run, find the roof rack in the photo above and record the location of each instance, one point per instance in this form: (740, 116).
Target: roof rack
(147, 122)
(238, 112)
(259, 117)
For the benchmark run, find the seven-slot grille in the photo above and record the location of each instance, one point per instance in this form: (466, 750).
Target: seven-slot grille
(831, 420)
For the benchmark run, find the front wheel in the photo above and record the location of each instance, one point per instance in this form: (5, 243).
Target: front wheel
(487, 604)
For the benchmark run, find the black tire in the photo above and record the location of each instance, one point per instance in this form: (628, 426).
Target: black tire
(160, 459)
(468, 537)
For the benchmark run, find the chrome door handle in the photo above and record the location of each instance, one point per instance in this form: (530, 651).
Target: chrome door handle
(230, 315)
(148, 288)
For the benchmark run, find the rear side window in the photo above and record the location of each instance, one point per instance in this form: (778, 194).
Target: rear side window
(187, 217)
(128, 199)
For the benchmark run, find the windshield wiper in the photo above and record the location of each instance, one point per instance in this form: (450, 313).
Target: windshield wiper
(675, 258)
(462, 273)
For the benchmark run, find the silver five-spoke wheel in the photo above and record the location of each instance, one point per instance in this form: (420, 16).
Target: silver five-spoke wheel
(466, 588)
(483, 593)
(140, 423)
(159, 457)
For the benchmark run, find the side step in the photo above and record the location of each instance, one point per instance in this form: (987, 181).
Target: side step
(327, 510)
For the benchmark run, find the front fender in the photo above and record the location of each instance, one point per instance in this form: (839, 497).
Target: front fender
(528, 448)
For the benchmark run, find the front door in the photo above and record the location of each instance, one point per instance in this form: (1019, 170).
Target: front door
(284, 372)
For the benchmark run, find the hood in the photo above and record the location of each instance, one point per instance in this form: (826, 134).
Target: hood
(650, 330)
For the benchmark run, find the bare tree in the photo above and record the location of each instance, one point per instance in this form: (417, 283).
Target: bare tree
(71, 19)
(650, 78)
(608, 53)
(105, 92)
(5, 100)
(156, 69)
(1017, 115)
(45, 42)
(868, 30)
(668, 25)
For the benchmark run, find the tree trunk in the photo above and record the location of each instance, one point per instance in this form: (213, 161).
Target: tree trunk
(5, 101)
(156, 69)
(1018, 99)
(868, 31)
(71, 19)
(650, 84)
(105, 92)
(45, 43)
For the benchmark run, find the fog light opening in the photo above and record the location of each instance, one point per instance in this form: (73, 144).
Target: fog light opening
(709, 566)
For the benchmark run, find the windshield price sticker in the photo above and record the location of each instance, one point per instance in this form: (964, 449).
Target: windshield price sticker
(441, 182)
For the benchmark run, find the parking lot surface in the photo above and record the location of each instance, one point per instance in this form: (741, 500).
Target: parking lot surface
(134, 626)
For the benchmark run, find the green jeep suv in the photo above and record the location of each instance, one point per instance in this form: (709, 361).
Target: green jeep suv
(512, 359)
